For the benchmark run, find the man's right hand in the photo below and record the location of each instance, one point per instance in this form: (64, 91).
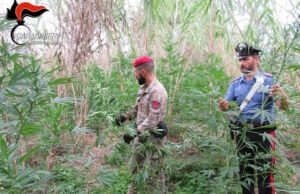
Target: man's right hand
(223, 104)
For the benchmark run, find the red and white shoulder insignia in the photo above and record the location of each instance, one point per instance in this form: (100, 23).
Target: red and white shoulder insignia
(268, 74)
(155, 104)
(234, 79)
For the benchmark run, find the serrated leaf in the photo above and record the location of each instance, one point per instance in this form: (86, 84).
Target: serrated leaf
(106, 178)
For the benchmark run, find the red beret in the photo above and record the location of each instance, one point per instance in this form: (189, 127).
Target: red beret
(142, 60)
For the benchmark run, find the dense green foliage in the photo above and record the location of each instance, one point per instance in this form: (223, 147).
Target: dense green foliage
(202, 158)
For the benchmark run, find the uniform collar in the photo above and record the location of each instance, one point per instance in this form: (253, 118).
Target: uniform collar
(254, 78)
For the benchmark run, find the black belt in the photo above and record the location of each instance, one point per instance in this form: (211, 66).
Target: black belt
(256, 126)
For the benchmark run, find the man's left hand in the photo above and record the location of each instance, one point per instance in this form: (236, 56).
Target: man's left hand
(283, 102)
(274, 91)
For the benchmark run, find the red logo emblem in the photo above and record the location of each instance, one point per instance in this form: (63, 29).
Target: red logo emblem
(19, 11)
(155, 104)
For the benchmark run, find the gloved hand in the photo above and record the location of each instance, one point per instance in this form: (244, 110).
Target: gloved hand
(120, 120)
(161, 130)
(128, 138)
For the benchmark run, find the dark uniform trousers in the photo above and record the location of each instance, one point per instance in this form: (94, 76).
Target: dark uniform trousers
(256, 158)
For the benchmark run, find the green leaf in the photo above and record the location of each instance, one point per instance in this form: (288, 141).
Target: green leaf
(31, 129)
(296, 49)
(294, 67)
(23, 178)
(100, 140)
(62, 81)
(29, 154)
(106, 178)
(82, 130)
(12, 150)
(3, 148)
(64, 100)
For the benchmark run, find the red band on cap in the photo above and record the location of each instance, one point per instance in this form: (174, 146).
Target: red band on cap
(142, 60)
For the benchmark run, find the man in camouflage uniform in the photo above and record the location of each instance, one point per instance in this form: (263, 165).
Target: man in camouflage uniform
(149, 111)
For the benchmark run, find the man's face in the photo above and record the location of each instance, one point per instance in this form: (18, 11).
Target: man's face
(248, 64)
(139, 75)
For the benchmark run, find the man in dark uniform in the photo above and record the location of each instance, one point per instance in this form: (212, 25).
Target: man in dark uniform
(255, 93)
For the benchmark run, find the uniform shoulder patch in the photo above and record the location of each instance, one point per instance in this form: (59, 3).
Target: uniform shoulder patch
(155, 104)
(268, 74)
(235, 79)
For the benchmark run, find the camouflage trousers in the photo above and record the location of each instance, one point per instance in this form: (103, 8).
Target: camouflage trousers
(156, 165)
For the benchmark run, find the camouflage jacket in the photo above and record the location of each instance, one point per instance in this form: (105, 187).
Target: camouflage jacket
(150, 106)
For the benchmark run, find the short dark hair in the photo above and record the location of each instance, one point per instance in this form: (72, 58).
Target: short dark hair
(148, 66)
